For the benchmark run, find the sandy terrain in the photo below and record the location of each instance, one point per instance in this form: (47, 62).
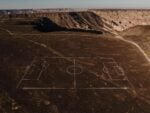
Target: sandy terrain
(75, 62)
(123, 19)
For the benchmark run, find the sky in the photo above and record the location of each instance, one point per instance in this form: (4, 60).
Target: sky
(36, 4)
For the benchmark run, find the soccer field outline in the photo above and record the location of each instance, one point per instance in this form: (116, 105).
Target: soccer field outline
(74, 70)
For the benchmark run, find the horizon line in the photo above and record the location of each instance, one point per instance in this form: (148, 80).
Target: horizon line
(77, 8)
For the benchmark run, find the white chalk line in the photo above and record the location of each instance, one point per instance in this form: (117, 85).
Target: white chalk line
(101, 88)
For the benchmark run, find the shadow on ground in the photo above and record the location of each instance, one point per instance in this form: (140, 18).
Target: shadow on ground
(46, 25)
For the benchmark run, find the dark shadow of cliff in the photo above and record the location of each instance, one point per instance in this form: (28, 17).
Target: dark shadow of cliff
(46, 25)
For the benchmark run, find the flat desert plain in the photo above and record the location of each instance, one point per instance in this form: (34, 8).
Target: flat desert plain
(93, 61)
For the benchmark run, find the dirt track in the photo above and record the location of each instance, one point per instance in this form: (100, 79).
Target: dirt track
(71, 72)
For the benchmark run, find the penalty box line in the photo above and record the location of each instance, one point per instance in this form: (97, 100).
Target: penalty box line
(102, 88)
(74, 60)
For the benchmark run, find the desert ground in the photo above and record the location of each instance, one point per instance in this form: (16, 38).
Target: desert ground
(93, 61)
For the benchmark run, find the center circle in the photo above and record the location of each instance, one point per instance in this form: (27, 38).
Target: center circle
(74, 70)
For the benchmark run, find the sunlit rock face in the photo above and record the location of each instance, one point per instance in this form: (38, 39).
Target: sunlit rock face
(67, 61)
(123, 19)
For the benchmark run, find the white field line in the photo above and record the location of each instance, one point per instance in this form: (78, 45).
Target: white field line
(8, 31)
(102, 88)
(119, 37)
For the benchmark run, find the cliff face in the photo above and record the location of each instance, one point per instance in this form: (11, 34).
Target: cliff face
(118, 20)
(47, 66)
(77, 20)
(123, 19)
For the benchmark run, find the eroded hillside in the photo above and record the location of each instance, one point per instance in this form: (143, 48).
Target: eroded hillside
(140, 35)
(71, 62)
(123, 19)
